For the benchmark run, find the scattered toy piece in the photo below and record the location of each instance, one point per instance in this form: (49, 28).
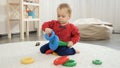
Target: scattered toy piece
(70, 63)
(61, 60)
(97, 62)
(49, 51)
(27, 60)
(54, 53)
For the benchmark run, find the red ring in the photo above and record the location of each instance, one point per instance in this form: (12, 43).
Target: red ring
(61, 60)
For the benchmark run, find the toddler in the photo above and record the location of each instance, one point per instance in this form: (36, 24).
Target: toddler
(65, 31)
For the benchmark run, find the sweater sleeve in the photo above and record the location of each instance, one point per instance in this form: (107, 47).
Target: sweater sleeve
(48, 24)
(75, 35)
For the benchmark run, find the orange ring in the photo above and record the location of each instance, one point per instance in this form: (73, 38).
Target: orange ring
(27, 60)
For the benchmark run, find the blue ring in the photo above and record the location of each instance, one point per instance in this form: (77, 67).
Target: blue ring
(53, 41)
(53, 44)
(49, 38)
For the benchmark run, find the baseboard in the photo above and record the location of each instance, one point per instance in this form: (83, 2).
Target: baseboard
(115, 32)
(3, 35)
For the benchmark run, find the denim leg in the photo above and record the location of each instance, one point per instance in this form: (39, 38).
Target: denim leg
(64, 50)
(44, 48)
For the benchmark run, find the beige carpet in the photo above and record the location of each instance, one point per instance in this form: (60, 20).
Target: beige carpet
(12, 53)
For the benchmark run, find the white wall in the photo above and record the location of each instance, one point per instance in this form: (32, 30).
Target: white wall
(48, 9)
(107, 10)
(3, 16)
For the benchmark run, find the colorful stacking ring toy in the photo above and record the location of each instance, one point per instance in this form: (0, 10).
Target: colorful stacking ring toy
(49, 51)
(61, 43)
(97, 62)
(53, 44)
(51, 37)
(70, 63)
(53, 41)
(54, 53)
(61, 60)
(27, 60)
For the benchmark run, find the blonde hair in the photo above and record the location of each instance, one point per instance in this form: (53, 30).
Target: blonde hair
(65, 6)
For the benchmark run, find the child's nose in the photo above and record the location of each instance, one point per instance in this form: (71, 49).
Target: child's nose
(60, 17)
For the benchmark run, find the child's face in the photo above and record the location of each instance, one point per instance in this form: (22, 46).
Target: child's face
(63, 16)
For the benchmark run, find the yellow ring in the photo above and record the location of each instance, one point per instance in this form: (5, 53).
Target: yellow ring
(54, 53)
(27, 60)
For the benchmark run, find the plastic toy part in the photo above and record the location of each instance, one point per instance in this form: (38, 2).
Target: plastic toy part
(51, 37)
(53, 41)
(49, 52)
(97, 62)
(54, 53)
(61, 60)
(27, 60)
(61, 43)
(53, 44)
(70, 63)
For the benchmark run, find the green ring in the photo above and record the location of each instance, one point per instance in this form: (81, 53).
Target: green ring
(97, 62)
(61, 43)
(70, 63)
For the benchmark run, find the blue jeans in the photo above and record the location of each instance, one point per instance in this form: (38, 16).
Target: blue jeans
(61, 50)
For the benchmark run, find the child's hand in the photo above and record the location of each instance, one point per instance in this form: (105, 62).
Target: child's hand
(70, 44)
(48, 30)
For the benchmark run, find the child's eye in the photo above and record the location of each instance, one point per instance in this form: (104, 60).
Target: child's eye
(63, 16)
(58, 16)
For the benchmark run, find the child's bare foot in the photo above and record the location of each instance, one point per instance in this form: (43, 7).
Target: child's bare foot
(77, 51)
